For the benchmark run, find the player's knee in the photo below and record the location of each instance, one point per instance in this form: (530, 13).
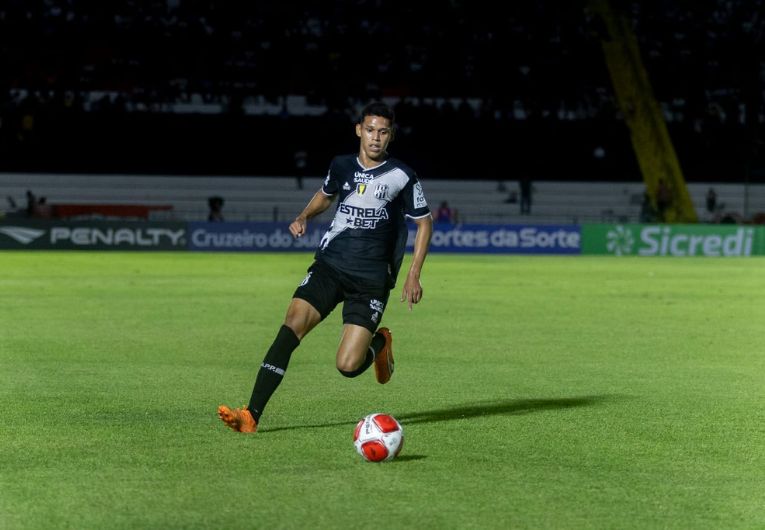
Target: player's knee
(347, 365)
(349, 373)
(301, 321)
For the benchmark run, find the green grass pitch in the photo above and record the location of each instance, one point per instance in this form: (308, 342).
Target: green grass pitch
(535, 392)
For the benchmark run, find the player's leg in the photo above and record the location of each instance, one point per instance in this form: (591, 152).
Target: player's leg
(314, 299)
(359, 348)
(353, 354)
(360, 345)
(301, 318)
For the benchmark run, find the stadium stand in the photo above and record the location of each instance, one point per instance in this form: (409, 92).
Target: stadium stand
(216, 87)
(280, 199)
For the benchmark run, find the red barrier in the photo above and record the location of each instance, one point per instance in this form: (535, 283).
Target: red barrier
(139, 211)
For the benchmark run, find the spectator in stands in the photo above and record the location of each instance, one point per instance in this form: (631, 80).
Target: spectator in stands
(711, 200)
(731, 218)
(216, 209)
(31, 203)
(663, 199)
(42, 209)
(357, 262)
(445, 214)
(647, 211)
(199, 74)
(527, 189)
(301, 166)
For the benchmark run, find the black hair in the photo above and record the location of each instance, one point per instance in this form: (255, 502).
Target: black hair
(378, 108)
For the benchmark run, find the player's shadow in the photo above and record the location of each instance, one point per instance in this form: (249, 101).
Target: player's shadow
(505, 407)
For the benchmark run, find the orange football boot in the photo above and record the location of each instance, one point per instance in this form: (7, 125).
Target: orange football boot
(384, 359)
(240, 420)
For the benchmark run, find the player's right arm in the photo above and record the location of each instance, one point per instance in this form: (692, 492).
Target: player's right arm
(320, 202)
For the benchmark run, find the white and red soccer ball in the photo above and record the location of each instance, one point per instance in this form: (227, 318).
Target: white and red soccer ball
(378, 437)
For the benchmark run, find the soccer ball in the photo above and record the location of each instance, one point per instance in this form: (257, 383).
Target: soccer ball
(378, 437)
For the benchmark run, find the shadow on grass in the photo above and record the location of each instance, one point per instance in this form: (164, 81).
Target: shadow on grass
(505, 407)
(497, 408)
(407, 458)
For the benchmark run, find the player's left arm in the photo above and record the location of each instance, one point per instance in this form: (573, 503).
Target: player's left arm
(412, 292)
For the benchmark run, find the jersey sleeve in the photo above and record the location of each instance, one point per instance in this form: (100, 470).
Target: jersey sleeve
(331, 184)
(415, 204)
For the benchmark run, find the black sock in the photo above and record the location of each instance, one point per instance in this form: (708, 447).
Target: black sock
(378, 341)
(272, 370)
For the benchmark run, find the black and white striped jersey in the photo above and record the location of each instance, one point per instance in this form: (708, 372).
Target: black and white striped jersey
(368, 234)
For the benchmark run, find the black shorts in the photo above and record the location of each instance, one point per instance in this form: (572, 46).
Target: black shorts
(324, 288)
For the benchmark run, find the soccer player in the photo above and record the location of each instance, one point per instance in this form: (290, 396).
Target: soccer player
(357, 262)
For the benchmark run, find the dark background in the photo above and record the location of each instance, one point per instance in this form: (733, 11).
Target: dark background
(481, 91)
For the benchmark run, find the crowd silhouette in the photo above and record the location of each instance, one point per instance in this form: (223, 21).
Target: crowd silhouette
(199, 86)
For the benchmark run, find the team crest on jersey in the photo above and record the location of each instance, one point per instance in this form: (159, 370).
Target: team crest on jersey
(381, 191)
(361, 188)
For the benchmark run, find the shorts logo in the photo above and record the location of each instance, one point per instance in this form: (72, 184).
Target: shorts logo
(305, 280)
(375, 317)
(376, 305)
(361, 188)
(381, 191)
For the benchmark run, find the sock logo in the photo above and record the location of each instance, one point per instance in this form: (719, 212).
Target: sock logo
(305, 280)
(273, 368)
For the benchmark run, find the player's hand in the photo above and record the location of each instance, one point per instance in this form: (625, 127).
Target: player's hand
(412, 292)
(297, 227)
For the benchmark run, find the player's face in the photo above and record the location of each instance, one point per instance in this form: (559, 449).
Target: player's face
(375, 133)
